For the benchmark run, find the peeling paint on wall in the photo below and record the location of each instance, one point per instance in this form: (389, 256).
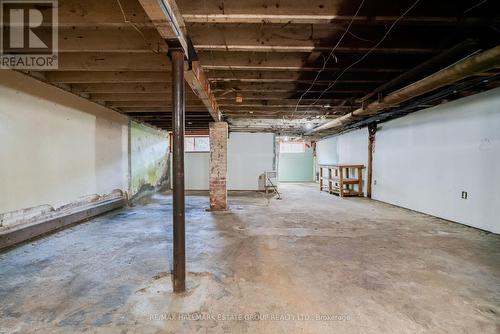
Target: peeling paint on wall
(149, 158)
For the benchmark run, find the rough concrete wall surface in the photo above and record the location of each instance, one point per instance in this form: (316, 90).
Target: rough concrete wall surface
(149, 156)
(56, 148)
(249, 156)
(424, 161)
(296, 167)
(218, 165)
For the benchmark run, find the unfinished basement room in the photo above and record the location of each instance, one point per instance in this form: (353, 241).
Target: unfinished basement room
(250, 166)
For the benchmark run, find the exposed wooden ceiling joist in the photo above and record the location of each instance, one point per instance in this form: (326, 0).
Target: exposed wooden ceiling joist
(318, 82)
(162, 109)
(190, 97)
(108, 77)
(110, 39)
(297, 60)
(219, 75)
(152, 103)
(119, 87)
(167, 19)
(309, 48)
(111, 61)
(320, 18)
(444, 10)
(108, 49)
(265, 52)
(299, 68)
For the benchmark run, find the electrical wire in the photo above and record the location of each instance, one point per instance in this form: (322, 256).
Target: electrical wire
(367, 53)
(325, 61)
(475, 6)
(133, 25)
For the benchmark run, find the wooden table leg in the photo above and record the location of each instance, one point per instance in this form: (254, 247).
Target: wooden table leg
(341, 176)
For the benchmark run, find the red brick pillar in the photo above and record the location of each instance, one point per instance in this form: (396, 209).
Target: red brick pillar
(218, 166)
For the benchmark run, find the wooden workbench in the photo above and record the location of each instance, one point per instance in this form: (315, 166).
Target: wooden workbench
(343, 179)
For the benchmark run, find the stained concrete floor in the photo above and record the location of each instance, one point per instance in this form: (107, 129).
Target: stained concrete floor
(310, 263)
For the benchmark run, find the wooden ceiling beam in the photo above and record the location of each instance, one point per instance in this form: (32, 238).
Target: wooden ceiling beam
(277, 103)
(307, 49)
(290, 108)
(146, 104)
(266, 93)
(190, 97)
(118, 87)
(88, 13)
(166, 16)
(97, 77)
(169, 27)
(281, 115)
(276, 80)
(257, 87)
(165, 109)
(321, 18)
(300, 68)
(273, 94)
(294, 75)
(104, 61)
(109, 39)
(332, 11)
(300, 60)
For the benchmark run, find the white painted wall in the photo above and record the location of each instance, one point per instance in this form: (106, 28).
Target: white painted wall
(56, 147)
(350, 148)
(249, 155)
(196, 170)
(425, 160)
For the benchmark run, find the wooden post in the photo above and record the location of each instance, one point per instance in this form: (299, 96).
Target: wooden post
(372, 129)
(360, 181)
(320, 178)
(330, 181)
(341, 184)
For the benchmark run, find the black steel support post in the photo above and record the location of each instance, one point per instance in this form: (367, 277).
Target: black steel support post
(179, 265)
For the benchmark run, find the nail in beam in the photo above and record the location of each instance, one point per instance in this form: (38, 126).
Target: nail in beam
(179, 270)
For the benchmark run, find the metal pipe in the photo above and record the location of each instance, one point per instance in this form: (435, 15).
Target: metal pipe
(179, 259)
(482, 62)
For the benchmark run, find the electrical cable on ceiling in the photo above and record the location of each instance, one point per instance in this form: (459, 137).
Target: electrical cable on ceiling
(133, 25)
(475, 6)
(367, 53)
(325, 61)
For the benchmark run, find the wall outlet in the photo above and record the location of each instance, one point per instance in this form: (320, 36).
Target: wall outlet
(374, 182)
(464, 195)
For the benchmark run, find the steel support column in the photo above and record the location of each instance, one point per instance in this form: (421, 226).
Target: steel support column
(179, 265)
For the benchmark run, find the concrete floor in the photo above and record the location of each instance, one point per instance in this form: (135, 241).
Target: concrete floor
(361, 265)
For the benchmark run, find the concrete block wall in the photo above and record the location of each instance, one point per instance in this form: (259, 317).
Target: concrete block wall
(218, 165)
